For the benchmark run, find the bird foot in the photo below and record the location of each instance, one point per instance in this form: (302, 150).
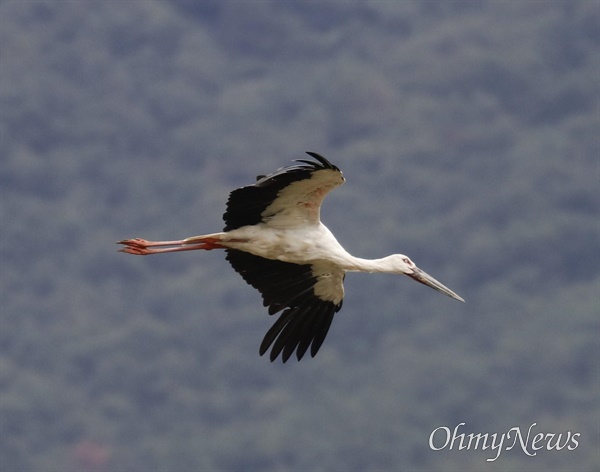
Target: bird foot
(137, 246)
(137, 242)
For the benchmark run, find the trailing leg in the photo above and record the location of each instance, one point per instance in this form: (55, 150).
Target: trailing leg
(142, 247)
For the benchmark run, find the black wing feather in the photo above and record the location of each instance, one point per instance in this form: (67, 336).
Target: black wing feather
(305, 319)
(246, 204)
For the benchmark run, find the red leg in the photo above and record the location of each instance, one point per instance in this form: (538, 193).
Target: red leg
(142, 247)
(139, 242)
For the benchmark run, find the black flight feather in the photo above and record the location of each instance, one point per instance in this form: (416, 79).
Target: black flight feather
(246, 204)
(305, 319)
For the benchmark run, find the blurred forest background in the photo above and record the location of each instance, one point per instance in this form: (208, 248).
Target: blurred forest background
(468, 134)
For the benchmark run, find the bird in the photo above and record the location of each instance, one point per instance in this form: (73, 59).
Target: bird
(274, 238)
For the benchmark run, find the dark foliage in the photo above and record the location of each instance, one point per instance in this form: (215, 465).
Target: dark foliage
(468, 135)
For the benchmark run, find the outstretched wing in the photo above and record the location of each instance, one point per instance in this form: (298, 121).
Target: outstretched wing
(290, 196)
(308, 294)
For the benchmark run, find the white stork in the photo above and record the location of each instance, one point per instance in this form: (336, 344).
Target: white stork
(275, 240)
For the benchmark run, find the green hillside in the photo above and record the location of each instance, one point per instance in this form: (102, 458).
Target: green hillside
(468, 133)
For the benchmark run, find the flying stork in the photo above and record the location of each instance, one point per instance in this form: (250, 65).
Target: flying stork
(274, 239)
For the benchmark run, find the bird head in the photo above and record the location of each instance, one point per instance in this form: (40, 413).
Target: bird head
(403, 265)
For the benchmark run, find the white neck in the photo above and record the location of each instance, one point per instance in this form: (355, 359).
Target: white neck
(357, 264)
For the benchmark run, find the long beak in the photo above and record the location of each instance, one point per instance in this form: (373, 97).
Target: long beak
(426, 279)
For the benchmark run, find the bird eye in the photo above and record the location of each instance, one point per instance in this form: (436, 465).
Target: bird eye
(407, 261)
